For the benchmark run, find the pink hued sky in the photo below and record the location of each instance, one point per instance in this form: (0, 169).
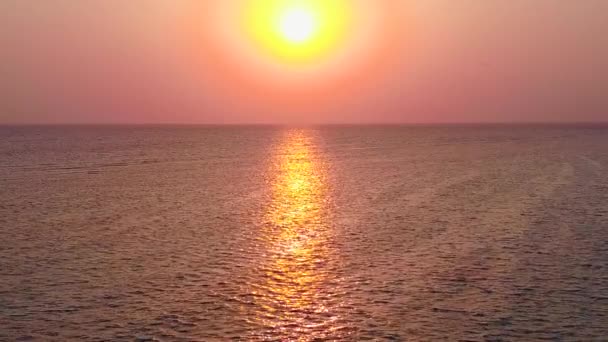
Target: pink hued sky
(153, 61)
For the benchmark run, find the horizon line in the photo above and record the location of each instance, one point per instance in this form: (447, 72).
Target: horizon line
(270, 124)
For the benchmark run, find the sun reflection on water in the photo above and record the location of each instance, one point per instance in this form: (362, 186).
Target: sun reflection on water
(295, 296)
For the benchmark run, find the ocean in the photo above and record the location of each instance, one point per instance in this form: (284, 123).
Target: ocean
(262, 233)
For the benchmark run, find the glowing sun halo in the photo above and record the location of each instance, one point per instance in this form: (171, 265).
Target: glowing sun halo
(297, 31)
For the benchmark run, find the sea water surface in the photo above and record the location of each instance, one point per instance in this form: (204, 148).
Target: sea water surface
(421, 233)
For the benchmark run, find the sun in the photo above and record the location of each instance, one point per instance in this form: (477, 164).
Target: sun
(297, 31)
(297, 25)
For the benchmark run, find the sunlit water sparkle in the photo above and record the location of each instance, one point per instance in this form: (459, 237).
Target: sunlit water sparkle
(330, 233)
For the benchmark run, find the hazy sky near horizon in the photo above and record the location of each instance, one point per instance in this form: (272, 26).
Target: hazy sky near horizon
(165, 61)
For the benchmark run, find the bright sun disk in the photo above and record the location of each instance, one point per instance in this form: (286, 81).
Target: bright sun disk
(297, 31)
(297, 25)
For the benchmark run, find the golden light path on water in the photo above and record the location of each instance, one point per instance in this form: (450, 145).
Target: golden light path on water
(297, 297)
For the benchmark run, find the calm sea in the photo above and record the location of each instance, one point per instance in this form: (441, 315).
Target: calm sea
(306, 234)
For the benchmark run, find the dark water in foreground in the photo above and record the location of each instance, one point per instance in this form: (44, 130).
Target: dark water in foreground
(343, 233)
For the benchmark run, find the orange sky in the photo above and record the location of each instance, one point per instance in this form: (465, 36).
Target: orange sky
(188, 61)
